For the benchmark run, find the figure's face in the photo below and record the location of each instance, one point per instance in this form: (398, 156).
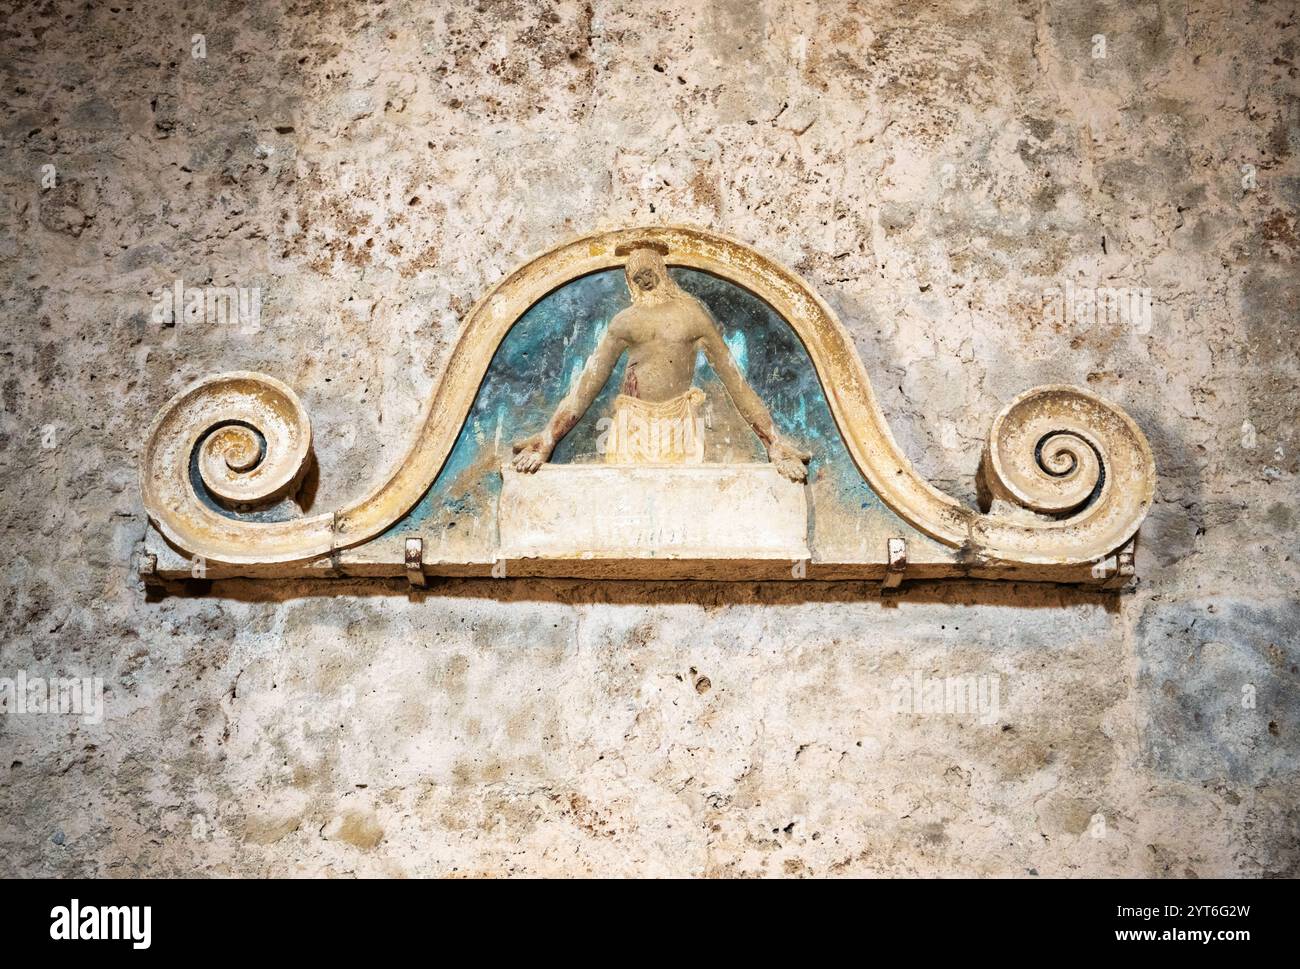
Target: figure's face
(645, 279)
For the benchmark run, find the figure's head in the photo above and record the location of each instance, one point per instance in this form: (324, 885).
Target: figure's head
(647, 276)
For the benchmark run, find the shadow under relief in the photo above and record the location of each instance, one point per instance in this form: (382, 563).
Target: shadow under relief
(648, 592)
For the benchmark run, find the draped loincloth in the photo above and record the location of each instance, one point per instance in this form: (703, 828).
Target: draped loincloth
(646, 432)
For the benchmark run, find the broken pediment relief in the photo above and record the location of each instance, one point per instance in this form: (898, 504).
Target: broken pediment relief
(647, 403)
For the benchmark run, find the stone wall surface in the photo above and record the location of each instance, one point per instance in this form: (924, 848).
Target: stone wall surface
(931, 169)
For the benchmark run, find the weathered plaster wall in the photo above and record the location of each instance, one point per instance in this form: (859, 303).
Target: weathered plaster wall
(932, 169)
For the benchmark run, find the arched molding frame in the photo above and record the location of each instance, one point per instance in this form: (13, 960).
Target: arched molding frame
(1068, 476)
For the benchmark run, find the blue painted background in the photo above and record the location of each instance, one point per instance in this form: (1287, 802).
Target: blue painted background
(545, 350)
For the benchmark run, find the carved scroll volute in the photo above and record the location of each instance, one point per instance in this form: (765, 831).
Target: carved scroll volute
(1070, 475)
(245, 441)
(1075, 461)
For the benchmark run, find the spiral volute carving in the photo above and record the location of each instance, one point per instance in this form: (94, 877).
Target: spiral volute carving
(225, 445)
(1073, 457)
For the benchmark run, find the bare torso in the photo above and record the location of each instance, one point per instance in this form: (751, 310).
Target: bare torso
(662, 343)
(661, 334)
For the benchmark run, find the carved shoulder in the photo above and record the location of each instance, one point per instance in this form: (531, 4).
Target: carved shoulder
(622, 325)
(703, 325)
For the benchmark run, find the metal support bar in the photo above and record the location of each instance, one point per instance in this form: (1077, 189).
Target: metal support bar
(415, 562)
(1125, 572)
(1117, 571)
(897, 564)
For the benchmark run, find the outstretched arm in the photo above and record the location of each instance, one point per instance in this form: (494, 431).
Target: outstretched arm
(789, 460)
(532, 452)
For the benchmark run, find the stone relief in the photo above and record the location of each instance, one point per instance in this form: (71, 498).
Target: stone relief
(658, 402)
(656, 414)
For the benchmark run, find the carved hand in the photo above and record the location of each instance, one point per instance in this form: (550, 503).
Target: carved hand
(789, 460)
(532, 452)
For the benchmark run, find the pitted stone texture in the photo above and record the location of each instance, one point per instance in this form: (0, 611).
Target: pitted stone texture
(932, 172)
